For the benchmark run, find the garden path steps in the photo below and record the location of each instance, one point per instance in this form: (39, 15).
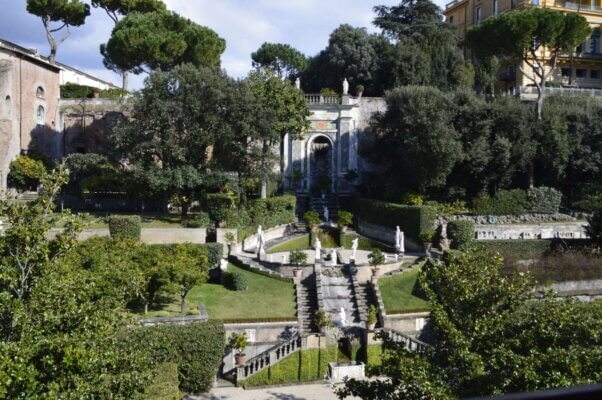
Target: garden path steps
(307, 304)
(338, 292)
(317, 204)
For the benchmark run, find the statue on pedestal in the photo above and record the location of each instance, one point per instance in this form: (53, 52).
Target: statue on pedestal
(326, 215)
(345, 87)
(333, 258)
(318, 247)
(399, 241)
(354, 244)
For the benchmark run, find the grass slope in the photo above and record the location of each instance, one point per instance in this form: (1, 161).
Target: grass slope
(401, 293)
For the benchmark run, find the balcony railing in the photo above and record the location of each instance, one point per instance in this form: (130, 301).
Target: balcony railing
(323, 98)
(532, 90)
(578, 6)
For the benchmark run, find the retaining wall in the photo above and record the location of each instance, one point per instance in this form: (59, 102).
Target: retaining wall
(149, 235)
(385, 235)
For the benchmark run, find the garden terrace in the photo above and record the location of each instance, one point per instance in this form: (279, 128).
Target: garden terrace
(265, 299)
(401, 293)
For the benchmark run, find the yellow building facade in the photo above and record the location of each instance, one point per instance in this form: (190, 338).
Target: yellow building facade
(585, 70)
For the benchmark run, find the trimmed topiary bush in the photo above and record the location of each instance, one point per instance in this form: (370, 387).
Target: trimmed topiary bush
(200, 220)
(461, 233)
(196, 348)
(215, 252)
(235, 281)
(505, 202)
(125, 226)
(544, 200)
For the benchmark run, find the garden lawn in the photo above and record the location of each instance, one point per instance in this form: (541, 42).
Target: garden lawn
(97, 220)
(329, 240)
(298, 243)
(401, 293)
(265, 299)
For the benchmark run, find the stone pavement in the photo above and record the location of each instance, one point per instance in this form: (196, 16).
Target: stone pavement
(314, 391)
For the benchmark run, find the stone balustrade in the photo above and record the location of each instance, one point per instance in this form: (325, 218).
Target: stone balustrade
(318, 98)
(408, 342)
(268, 357)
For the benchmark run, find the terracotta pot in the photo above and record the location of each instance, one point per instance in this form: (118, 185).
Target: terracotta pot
(241, 358)
(377, 271)
(370, 326)
(297, 273)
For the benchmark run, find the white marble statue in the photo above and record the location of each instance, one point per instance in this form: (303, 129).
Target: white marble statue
(260, 242)
(345, 87)
(326, 214)
(354, 244)
(333, 258)
(298, 83)
(343, 316)
(399, 241)
(318, 247)
(223, 264)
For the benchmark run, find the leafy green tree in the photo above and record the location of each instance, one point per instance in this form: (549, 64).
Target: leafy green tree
(281, 59)
(117, 8)
(486, 327)
(154, 266)
(416, 134)
(523, 35)
(283, 111)
(58, 333)
(64, 12)
(426, 47)
(189, 268)
(594, 228)
(25, 172)
(160, 40)
(176, 119)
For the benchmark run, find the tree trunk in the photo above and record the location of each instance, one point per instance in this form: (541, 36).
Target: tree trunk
(264, 187)
(182, 304)
(125, 75)
(184, 215)
(531, 175)
(145, 307)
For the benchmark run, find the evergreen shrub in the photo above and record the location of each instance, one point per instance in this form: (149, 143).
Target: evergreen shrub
(235, 281)
(125, 226)
(165, 384)
(461, 233)
(505, 202)
(196, 348)
(544, 200)
(518, 249)
(412, 220)
(200, 220)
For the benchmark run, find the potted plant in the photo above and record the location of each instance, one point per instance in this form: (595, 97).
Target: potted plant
(230, 241)
(312, 219)
(298, 258)
(359, 89)
(239, 342)
(323, 320)
(344, 219)
(427, 239)
(376, 258)
(372, 318)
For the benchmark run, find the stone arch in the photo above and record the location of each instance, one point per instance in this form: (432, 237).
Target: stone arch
(40, 92)
(312, 162)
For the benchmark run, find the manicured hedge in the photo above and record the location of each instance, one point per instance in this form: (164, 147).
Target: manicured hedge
(196, 348)
(164, 385)
(215, 252)
(544, 200)
(125, 226)
(200, 220)
(235, 281)
(518, 249)
(413, 220)
(303, 366)
(461, 233)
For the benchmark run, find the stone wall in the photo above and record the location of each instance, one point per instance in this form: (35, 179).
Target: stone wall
(276, 232)
(509, 219)
(150, 235)
(385, 235)
(564, 230)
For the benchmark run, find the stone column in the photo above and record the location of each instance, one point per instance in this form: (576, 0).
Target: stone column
(3, 184)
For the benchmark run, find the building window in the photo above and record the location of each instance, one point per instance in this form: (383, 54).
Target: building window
(594, 74)
(566, 72)
(40, 115)
(535, 2)
(477, 17)
(496, 7)
(40, 92)
(451, 19)
(581, 73)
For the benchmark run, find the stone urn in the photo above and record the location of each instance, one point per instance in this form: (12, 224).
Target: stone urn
(377, 271)
(297, 273)
(241, 358)
(427, 247)
(370, 326)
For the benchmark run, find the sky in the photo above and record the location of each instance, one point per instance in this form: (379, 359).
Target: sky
(245, 24)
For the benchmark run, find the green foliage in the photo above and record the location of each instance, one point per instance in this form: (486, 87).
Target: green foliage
(298, 258)
(200, 220)
(75, 91)
(544, 200)
(594, 228)
(25, 173)
(160, 40)
(196, 348)
(376, 258)
(218, 206)
(518, 249)
(323, 319)
(235, 281)
(215, 252)
(413, 199)
(505, 202)
(454, 208)
(115, 8)
(359, 89)
(311, 218)
(125, 226)
(165, 384)
(281, 59)
(401, 293)
(189, 267)
(238, 342)
(413, 220)
(344, 218)
(302, 366)
(461, 233)
(372, 315)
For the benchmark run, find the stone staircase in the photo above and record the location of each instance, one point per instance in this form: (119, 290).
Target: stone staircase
(307, 304)
(317, 204)
(338, 292)
(364, 298)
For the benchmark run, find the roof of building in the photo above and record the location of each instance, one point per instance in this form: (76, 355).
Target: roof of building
(33, 55)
